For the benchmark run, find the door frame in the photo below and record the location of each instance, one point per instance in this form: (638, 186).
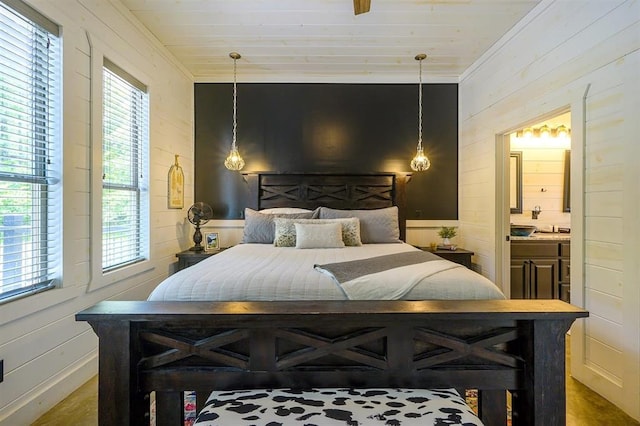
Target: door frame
(503, 213)
(502, 207)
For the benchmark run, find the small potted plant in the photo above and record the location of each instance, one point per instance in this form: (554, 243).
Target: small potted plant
(447, 232)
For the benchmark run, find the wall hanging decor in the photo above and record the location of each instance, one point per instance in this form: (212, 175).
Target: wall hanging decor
(175, 192)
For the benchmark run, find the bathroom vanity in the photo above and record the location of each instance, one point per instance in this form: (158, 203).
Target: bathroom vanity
(540, 267)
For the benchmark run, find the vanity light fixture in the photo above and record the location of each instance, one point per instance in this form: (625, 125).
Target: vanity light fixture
(420, 162)
(234, 161)
(544, 131)
(562, 131)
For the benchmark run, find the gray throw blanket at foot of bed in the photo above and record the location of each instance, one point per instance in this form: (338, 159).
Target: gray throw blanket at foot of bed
(387, 277)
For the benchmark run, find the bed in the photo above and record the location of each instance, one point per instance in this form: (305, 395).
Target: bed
(202, 333)
(264, 272)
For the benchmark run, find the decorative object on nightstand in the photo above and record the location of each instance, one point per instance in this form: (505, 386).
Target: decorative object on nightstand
(198, 215)
(211, 241)
(447, 232)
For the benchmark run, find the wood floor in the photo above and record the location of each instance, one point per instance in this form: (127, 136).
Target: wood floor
(584, 408)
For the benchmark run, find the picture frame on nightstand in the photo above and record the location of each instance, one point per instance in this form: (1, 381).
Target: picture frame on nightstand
(211, 242)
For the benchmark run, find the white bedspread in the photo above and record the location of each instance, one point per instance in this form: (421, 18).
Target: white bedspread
(265, 272)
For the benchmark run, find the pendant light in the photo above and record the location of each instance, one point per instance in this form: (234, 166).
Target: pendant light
(420, 162)
(234, 161)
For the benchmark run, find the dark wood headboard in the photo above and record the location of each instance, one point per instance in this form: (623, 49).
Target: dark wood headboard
(337, 191)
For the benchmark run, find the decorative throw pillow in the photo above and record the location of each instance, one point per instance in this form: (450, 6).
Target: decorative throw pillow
(350, 230)
(259, 227)
(285, 230)
(318, 235)
(376, 226)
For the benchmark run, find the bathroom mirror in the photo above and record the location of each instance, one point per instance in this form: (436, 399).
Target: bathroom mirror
(515, 176)
(566, 192)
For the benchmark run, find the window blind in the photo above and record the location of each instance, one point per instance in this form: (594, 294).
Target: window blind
(124, 159)
(30, 208)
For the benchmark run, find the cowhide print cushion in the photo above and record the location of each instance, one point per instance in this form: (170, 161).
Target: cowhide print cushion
(328, 407)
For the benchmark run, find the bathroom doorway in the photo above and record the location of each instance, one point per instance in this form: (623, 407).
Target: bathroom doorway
(533, 185)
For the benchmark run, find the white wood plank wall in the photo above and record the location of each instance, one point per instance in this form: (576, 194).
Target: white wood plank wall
(546, 64)
(46, 353)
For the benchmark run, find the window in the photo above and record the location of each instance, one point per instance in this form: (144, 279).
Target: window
(30, 207)
(124, 166)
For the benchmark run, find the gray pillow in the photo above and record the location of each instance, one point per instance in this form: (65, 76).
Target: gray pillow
(259, 228)
(376, 226)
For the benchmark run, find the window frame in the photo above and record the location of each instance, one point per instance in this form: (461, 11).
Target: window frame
(135, 183)
(101, 278)
(46, 172)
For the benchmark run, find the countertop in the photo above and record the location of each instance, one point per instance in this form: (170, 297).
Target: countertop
(555, 236)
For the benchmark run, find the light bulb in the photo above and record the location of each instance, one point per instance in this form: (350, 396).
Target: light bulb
(234, 161)
(420, 162)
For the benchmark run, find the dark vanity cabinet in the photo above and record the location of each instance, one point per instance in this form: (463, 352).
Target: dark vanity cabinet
(540, 269)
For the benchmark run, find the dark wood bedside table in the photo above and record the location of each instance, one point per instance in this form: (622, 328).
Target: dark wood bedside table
(188, 257)
(461, 256)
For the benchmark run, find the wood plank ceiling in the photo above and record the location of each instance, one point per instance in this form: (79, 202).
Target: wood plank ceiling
(323, 40)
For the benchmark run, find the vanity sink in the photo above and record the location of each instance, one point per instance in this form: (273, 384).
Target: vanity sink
(522, 230)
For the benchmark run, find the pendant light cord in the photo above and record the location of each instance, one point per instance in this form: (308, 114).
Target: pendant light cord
(235, 96)
(420, 107)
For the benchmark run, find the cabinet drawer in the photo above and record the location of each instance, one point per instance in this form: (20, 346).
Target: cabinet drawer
(532, 249)
(565, 249)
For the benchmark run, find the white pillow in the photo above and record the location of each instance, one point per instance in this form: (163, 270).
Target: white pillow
(285, 230)
(284, 210)
(319, 235)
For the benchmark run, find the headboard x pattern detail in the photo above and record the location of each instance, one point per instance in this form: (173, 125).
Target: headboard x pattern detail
(338, 191)
(314, 194)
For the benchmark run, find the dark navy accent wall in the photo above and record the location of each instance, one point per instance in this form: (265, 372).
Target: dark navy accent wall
(355, 128)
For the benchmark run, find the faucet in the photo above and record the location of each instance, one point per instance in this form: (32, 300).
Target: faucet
(535, 212)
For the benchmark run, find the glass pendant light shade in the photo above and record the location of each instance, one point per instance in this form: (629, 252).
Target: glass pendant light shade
(420, 162)
(234, 161)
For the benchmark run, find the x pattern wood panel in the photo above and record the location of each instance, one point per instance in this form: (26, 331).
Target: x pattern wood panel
(451, 348)
(324, 193)
(432, 348)
(176, 347)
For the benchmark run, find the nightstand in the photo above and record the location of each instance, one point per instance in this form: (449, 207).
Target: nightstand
(461, 256)
(188, 257)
